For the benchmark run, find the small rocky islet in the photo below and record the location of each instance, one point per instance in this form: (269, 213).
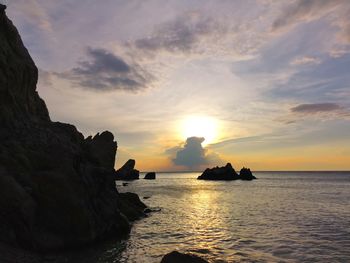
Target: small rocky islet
(57, 188)
(226, 173)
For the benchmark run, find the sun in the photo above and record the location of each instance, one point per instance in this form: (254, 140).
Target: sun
(200, 126)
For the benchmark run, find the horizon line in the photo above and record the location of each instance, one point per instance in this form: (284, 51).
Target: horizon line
(259, 171)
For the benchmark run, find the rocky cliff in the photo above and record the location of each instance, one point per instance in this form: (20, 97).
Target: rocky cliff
(57, 189)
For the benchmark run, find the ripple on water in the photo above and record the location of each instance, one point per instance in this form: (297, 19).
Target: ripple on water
(278, 218)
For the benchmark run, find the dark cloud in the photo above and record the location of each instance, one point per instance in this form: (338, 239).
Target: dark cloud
(106, 71)
(182, 34)
(193, 155)
(102, 61)
(316, 108)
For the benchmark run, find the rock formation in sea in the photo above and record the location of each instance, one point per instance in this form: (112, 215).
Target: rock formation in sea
(177, 257)
(150, 176)
(127, 171)
(246, 174)
(57, 189)
(227, 173)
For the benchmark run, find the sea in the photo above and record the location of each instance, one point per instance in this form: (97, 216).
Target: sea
(280, 217)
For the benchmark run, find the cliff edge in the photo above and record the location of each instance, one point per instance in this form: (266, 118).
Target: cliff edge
(57, 189)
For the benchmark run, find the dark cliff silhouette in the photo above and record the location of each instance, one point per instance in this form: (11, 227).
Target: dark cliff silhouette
(57, 189)
(127, 172)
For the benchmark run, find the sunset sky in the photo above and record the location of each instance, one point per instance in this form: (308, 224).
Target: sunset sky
(185, 85)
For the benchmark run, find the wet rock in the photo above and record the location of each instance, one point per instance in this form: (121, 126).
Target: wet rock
(131, 206)
(57, 189)
(177, 257)
(226, 173)
(150, 176)
(127, 171)
(147, 210)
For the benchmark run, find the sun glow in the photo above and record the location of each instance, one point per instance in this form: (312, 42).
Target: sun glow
(200, 126)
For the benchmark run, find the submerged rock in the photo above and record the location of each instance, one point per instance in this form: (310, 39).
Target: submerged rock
(57, 189)
(177, 257)
(150, 176)
(127, 171)
(226, 172)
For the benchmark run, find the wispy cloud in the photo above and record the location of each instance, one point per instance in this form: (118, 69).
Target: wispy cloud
(304, 11)
(182, 34)
(306, 60)
(197, 33)
(315, 108)
(35, 13)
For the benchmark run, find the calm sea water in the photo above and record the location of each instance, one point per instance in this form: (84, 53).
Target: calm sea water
(281, 217)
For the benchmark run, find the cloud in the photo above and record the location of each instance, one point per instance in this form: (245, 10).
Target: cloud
(304, 11)
(106, 71)
(44, 79)
(306, 60)
(344, 26)
(335, 11)
(182, 34)
(247, 139)
(35, 13)
(338, 52)
(193, 155)
(315, 108)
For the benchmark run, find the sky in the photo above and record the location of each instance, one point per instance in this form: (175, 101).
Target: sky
(185, 85)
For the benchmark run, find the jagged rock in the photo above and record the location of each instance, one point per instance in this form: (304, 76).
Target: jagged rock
(246, 174)
(57, 190)
(219, 173)
(150, 176)
(102, 149)
(127, 171)
(224, 173)
(177, 257)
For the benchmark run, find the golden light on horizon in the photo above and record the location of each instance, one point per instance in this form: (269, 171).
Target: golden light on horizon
(200, 126)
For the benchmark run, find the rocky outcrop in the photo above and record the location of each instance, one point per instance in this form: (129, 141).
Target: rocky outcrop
(177, 257)
(127, 171)
(19, 100)
(219, 173)
(226, 173)
(57, 189)
(150, 176)
(131, 206)
(246, 174)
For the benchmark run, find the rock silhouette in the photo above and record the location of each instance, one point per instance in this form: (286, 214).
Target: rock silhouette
(177, 257)
(127, 171)
(226, 173)
(150, 176)
(246, 174)
(57, 189)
